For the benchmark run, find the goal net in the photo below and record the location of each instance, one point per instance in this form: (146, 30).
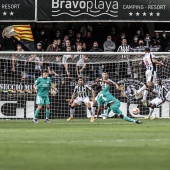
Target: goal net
(19, 70)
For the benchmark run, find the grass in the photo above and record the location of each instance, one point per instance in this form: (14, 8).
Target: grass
(110, 144)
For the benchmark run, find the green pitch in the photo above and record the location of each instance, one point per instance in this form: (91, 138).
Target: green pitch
(110, 144)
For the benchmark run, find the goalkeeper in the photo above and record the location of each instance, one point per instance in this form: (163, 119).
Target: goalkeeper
(110, 101)
(43, 85)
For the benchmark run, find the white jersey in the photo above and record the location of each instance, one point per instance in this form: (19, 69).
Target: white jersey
(147, 59)
(103, 84)
(160, 90)
(82, 91)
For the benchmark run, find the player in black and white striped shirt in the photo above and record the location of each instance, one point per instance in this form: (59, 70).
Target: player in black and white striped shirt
(150, 73)
(82, 96)
(161, 92)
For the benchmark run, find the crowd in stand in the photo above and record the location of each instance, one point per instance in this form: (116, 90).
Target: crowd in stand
(86, 38)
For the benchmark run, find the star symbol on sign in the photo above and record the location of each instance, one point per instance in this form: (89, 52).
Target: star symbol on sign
(158, 13)
(137, 13)
(11, 13)
(130, 13)
(144, 14)
(4, 13)
(151, 13)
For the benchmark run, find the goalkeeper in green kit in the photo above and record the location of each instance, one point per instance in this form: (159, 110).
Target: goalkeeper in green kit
(43, 84)
(111, 102)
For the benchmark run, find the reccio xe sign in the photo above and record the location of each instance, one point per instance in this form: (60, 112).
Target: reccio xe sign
(91, 10)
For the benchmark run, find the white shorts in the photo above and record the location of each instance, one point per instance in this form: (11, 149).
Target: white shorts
(79, 100)
(150, 76)
(168, 96)
(157, 101)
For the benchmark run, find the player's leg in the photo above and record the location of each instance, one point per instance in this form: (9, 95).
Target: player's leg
(115, 109)
(150, 77)
(151, 108)
(157, 103)
(36, 113)
(47, 112)
(76, 102)
(94, 106)
(148, 74)
(88, 104)
(39, 102)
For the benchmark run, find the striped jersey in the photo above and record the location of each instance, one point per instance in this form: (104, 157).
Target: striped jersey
(103, 84)
(82, 91)
(147, 59)
(124, 48)
(160, 90)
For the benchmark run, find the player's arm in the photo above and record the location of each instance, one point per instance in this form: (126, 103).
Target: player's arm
(157, 62)
(53, 88)
(105, 81)
(35, 86)
(116, 85)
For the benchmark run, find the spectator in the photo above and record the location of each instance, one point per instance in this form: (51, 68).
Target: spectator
(18, 65)
(56, 68)
(84, 49)
(98, 68)
(109, 45)
(88, 40)
(71, 36)
(70, 67)
(165, 40)
(53, 47)
(80, 66)
(33, 67)
(95, 47)
(43, 39)
(39, 47)
(67, 56)
(167, 48)
(78, 38)
(139, 34)
(122, 36)
(134, 44)
(57, 35)
(147, 40)
(115, 36)
(124, 68)
(86, 28)
(141, 44)
(67, 44)
(156, 40)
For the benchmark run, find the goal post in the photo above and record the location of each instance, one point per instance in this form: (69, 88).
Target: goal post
(19, 70)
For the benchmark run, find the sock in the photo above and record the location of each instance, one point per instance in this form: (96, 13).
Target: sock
(128, 119)
(105, 111)
(151, 111)
(47, 113)
(141, 89)
(145, 94)
(72, 111)
(36, 113)
(93, 110)
(90, 110)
